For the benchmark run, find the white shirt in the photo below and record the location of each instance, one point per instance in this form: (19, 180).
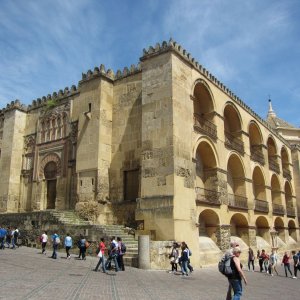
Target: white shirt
(44, 238)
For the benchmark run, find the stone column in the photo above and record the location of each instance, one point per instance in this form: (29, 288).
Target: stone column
(252, 237)
(223, 237)
(144, 252)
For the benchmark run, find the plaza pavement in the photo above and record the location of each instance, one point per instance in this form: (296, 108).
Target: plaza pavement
(27, 274)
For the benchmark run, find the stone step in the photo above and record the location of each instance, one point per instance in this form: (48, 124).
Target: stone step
(131, 261)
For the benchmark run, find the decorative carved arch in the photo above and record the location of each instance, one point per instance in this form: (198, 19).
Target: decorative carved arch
(52, 157)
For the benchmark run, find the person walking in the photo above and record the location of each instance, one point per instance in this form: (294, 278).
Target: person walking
(286, 263)
(174, 258)
(82, 247)
(15, 237)
(2, 237)
(296, 261)
(8, 237)
(272, 263)
(68, 245)
(184, 259)
(235, 279)
(113, 253)
(121, 252)
(261, 259)
(44, 240)
(101, 255)
(55, 243)
(251, 258)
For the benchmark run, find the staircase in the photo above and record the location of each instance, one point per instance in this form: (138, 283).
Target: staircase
(70, 218)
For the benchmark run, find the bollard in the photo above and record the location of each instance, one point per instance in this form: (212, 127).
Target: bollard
(144, 252)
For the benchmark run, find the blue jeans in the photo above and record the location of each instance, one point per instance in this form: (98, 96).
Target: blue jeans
(184, 268)
(236, 285)
(114, 258)
(54, 254)
(103, 261)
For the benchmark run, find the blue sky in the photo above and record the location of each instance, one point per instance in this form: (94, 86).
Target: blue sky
(252, 46)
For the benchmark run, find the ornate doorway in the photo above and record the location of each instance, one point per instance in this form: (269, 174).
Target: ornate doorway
(50, 172)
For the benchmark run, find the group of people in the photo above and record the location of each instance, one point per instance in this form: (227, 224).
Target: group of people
(268, 263)
(182, 259)
(9, 237)
(114, 252)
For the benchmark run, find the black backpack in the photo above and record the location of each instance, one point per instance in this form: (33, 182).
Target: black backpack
(224, 265)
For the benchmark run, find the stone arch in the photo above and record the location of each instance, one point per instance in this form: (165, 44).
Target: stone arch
(208, 224)
(239, 227)
(52, 157)
(203, 108)
(236, 182)
(233, 128)
(256, 142)
(292, 230)
(275, 190)
(279, 227)
(288, 194)
(285, 163)
(263, 229)
(259, 190)
(206, 173)
(272, 155)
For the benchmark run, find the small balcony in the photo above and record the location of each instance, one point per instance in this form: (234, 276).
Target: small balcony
(261, 205)
(291, 212)
(236, 201)
(207, 196)
(278, 209)
(234, 143)
(287, 174)
(204, 126)
(258, 157)
(274, 165)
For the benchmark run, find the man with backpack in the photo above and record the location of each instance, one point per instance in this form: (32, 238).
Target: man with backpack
(121, 252)
(55, 243)
(113, 254)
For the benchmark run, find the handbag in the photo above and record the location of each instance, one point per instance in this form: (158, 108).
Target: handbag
(100, 254)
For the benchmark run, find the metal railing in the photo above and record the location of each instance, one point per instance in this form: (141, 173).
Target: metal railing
(203, 125)
(274, 165)
(237, 201)
(207, 196)
(233, 142)
(261, 205)
(278, 209)
(287, 174)
(291, 212)
(258, 156)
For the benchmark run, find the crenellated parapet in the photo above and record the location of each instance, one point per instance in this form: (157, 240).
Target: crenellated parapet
(109, 74)
(55, 97)
(14, 105)
(183, 53)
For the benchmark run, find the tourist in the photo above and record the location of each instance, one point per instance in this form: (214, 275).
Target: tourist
(296, 263)
(3, 233)
(16, 235)
(8, 237)
(286, 263)
(44, 240)
(229, 252)
(184, 259)
(121, 252)
(82, 247)
(266, 263)
(55, 243)
(68, 245)
(113, 253)
(261, 259)
(235, 280)
(174, 258)
(101, 255)
(251, 258)
(272, 263)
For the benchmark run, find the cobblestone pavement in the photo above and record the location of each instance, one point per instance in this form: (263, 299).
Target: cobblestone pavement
(27, 274)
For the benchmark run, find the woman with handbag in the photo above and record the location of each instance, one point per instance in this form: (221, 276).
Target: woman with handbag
(101, 256)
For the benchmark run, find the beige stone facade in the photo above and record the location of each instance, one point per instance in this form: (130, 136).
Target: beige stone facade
(163, 146)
